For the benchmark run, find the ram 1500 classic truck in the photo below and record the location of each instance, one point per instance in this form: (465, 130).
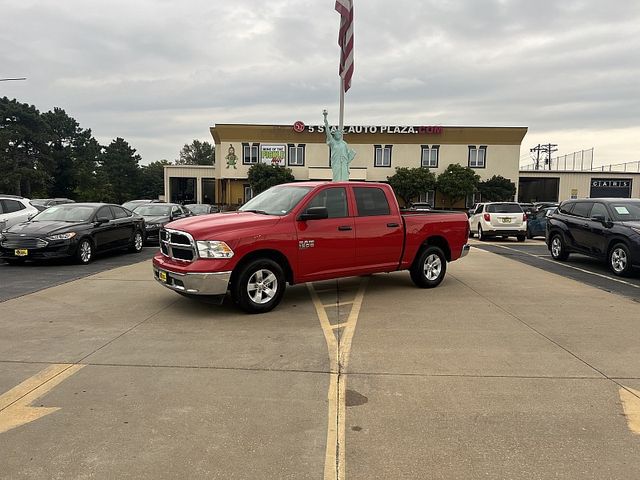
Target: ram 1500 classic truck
(302, 232)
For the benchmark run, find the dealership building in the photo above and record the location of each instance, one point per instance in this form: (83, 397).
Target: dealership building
(380, 149)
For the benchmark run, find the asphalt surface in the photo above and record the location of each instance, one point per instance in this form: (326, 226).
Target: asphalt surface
(504, 371)
(18, 280)
(578, 267)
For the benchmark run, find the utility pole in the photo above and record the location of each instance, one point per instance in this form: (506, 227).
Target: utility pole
(549, 148)
(12, 79)
(537, 149)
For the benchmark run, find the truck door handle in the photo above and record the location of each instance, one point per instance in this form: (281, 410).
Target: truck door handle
(344, 228)
(393, 225)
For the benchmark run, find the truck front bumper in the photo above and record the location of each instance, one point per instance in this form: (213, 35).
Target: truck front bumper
(193, 283)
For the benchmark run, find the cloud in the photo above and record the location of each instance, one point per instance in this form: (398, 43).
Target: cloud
(159, 72)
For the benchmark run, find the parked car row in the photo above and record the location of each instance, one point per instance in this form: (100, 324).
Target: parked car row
(58, 227)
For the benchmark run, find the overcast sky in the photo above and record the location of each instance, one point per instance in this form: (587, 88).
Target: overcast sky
(159, 73)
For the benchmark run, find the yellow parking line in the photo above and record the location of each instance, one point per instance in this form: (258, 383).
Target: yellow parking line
(631, 405)
(14, 404)
(339, 352)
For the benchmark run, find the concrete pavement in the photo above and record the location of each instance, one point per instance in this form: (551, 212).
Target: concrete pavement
(477, 378)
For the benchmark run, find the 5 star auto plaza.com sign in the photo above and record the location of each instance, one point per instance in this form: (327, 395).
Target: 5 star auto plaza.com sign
(396, 129)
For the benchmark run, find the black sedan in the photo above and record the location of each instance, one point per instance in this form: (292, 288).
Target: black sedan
(77, 230)
(157, 215)
(608, 229)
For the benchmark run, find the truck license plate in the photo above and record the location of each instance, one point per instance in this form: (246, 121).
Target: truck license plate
(162, 276)
(21, 252)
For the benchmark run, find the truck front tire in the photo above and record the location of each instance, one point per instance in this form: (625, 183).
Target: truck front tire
(259, 286)
(429, 268)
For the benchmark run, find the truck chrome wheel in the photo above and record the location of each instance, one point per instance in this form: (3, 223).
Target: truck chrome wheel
(432, 267)
(429, 267)
(258, 286)
(262, 286)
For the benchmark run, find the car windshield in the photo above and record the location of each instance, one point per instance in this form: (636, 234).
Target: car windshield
(134, 203)
(198, 209)
(626, 211)
(38, 201)
(153, 210)
(504, 208)
(65, 213)
(276, 200)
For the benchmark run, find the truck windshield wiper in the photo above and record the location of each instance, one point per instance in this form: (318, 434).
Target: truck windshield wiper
(261, 212)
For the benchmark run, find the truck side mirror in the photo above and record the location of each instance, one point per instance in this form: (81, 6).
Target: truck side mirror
(314, 213)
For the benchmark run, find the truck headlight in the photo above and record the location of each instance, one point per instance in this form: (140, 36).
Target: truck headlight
(62, 236)
(213, 249)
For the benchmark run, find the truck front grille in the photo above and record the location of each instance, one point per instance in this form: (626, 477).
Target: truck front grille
(178, 245)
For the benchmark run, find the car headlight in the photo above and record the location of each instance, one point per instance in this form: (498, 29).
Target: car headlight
(152, 225)
(213, 249)
(62, 236)
(636, 229)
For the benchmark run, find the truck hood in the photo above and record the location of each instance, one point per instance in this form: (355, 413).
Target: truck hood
(223, 226)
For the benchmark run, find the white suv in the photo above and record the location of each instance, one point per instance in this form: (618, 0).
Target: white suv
(505, 219)
(14, 210)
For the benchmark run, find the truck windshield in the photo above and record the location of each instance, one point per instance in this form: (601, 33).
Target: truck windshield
(276, 200)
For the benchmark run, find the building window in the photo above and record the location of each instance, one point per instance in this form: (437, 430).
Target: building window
(296, 155)
(250, 153)
(382, 155)
(428, 197)
(248, 193)
(429, 156)
(477, 156)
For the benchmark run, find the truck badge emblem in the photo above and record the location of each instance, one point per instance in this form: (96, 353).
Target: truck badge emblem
(302, 244)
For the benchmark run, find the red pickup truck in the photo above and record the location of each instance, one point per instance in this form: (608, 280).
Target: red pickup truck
(302, 232)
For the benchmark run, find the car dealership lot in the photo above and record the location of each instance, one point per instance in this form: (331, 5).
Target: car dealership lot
(504, 371)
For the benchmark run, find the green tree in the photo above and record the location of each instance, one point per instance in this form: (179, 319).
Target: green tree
(152, 179)
(87, 152)
(262, 176)
(118, 175)
(23, 149)
(497, 189)
(409, 183)
(197, 153)
(456, 182)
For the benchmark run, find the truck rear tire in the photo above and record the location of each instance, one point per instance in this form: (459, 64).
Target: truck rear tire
(259, 286)
(429, 268)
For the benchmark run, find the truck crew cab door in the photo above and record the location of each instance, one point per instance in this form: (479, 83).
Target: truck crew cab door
(326, 247)
(379, 231)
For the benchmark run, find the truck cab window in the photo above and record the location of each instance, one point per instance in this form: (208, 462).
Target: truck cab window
(334, 199)
(371, 201)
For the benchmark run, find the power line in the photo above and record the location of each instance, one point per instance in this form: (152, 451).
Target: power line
(12, 79)
(547, 149)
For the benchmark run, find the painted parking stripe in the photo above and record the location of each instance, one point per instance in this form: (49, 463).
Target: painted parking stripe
(15, 409)
(595, 274)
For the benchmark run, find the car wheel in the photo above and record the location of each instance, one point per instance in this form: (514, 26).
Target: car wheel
(84, 252)
(259, 286)
(429, 268)
(137, 243)
(620, 259)
(557, 248)
(481, 236)
(521, 238)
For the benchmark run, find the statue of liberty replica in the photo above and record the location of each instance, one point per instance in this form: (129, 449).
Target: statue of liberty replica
(341, 154)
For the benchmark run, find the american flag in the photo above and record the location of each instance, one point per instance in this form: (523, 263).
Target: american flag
(345, 40)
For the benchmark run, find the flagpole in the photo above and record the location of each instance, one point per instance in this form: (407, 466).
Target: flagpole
(341, 124)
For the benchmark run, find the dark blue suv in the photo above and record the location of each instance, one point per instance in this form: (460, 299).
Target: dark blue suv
(605, 228)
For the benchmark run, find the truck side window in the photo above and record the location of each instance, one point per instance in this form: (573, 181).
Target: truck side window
(335, 199)
(371, 201)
